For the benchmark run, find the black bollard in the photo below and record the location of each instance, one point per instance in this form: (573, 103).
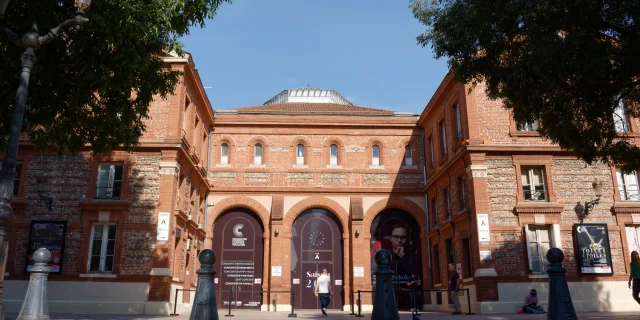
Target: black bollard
(560, 304)
(204, 303)
(35, 305)
(384, 303)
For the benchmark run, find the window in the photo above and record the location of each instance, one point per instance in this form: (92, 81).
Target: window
(445, 194)
(456, 109)
(408, 156)
(462, 193)
(433, 217)
(533, 185)
(628, 186)
(466, 255)
(633, 238)
(257, 154)
(16, 179)
(300, 155)
(443, 142)
(450, 254)
(102, 247)
(620, 118)
(527, 126)
(375, 155)
(431, 154)
(436, 265)
(109, 181)
(539, 241)
(224, 154)
(333, 157)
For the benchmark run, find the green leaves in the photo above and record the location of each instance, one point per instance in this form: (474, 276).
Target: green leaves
(566, 63)
(79, 89)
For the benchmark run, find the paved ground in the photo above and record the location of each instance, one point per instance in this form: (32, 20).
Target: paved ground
(242, 315)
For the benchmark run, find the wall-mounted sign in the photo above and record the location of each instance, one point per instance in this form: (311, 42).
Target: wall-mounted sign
(49, 235)
(485, 255)
(276, 271)
(163, 226)
(459, 269)
(593, 250)
(257, 281)
(215, 280)
(358, 272)
(296, 281)
(484, 235)
(338, 282)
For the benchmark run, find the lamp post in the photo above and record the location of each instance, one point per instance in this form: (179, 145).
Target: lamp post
(31, 41)
(583, 210)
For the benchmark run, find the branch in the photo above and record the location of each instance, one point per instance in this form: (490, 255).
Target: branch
(55, 32)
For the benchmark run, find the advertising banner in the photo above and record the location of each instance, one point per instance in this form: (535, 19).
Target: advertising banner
(593, 250)
(49, 235)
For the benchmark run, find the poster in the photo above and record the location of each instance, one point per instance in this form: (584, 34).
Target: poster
(276, 271)
(50, 235)
(593, 250)
(485, 255)
(358, 272)
(163, 226)
(484, 234)
(238, 273)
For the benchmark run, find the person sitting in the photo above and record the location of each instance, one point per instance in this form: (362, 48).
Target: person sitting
(531, 303)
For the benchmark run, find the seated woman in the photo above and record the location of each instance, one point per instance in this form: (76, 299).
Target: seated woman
(531, 303)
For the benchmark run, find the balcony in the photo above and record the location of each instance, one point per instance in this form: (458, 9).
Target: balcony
(535, 195)
(630, 194)
(108, 193)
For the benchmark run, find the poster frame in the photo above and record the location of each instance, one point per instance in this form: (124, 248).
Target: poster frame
(607, 247)
(62, 245)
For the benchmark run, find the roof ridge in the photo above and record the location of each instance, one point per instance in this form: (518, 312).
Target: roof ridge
(309, 108)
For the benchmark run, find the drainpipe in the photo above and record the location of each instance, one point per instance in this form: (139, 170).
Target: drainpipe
(426, 200)
(206, 199)
(209, 149)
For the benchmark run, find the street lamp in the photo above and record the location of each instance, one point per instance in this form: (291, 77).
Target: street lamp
(583, 211)
(31, 41)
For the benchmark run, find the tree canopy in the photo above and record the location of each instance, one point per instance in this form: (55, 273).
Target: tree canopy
(94, 85)
(568, 64)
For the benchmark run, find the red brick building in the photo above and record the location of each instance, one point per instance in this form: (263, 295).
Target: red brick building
(99, 215)
(482, 167)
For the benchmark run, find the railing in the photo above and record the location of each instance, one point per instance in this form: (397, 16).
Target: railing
(535, 195)
(415, 312)
(291, 300)
(108, 192)
(630, 194)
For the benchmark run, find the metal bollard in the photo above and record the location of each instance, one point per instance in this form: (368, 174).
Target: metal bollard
(384, 303)
(353, 309)
(560, 304)
(291, 300)
(359, 315)
(204, 303)
(35, 305)
(230, 298)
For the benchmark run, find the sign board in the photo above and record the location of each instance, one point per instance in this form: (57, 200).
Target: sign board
(215, 280)
(484, 235)
(485, 255)
(338, 282)
(296, 281)
(163, 226)
(593, 250)
(358, 272)
(49, 235)
(257, 281)
(276, 271)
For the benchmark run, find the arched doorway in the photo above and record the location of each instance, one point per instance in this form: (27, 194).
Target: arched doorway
(316, 244)
(397, 231)
(238, 243)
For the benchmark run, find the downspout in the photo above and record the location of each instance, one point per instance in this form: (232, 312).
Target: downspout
(426, 200)
(206, 178)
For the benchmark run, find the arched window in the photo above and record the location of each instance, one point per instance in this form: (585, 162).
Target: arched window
(375, 155)
(224, 154)
(257, 154)
(408, 156)
(333, 157)
(300, 155)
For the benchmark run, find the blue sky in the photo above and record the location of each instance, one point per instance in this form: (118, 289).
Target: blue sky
(364, 49)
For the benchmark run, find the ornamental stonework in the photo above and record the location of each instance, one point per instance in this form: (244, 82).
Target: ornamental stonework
(257, 177)
(376, 178)
(354, 149)
(410, 178)
(300, 177)
(223, 176)
(334, 178)
(283, 149)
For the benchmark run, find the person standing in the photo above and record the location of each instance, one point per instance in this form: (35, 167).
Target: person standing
(634, 276)
(454, 277)
(414, 288)
(323, 289)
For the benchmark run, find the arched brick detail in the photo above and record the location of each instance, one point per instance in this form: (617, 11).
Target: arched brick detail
(383, 150)
(307, 149)
(397, 203)
(318, 202)
(241, 202)
(326, 152)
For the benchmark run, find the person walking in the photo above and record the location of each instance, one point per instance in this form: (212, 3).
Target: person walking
(414, 289)
(634, 276)
(323, 289)
(454, 277)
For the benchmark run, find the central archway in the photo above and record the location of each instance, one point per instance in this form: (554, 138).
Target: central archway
(316, 244)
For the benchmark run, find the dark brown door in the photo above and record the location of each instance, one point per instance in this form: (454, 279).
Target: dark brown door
(237, 242)
(316, 245)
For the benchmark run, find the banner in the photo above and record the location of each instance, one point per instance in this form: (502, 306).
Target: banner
(593, 250)
(49, 235)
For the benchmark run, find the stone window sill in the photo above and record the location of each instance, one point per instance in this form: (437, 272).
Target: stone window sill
(538, 207)
(409, 167)
(467, 279)
(626, 207)
(538, 276)
(300, 166)
(223, 165)
(376, 167)
(98, 275)
(524, 133)
(334, 167)
(257, 166)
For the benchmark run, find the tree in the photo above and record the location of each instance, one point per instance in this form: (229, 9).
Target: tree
(94, 86)
(569, 64)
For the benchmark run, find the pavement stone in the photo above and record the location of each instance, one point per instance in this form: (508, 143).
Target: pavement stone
(309, 314)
